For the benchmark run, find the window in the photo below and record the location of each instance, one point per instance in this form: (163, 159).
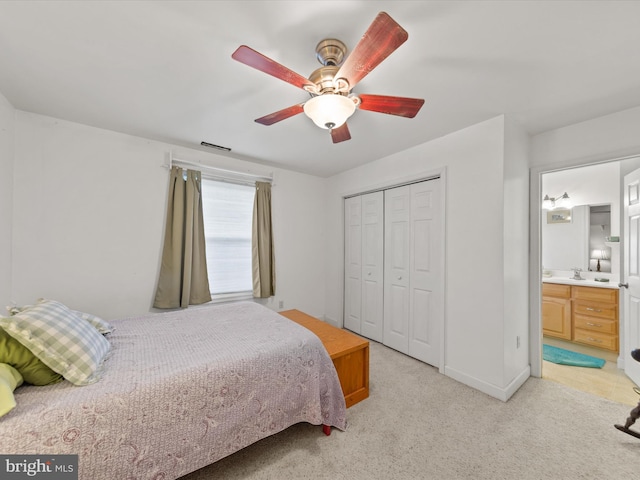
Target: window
(228, 215)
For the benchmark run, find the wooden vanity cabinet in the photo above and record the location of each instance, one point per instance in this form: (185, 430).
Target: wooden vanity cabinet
(587, 315)
(595, 317)
(556, 310)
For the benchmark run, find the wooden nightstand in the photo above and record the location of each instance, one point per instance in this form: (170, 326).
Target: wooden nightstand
(349, 352)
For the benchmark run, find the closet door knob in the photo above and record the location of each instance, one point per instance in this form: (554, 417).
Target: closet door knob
(399, 278)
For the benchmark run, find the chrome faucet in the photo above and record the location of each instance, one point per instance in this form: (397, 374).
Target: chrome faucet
(576, 274)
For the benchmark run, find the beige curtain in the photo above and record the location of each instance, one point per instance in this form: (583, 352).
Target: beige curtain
(183, 274)
(263, 260)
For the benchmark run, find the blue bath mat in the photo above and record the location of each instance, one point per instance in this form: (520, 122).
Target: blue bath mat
(567, 357)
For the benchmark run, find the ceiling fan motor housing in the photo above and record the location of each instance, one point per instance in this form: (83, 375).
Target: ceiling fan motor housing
(323, 79)
(330, 51)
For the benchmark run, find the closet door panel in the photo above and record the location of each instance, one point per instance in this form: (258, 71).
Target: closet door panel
(396, 268)
(372, 265)
(353, 264)
(420, 308)
(424, 317)
(396, 322)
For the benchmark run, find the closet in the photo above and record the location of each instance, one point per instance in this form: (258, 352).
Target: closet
(393, 268)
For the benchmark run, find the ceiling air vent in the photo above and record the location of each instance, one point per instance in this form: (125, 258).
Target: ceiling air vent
(211, 145)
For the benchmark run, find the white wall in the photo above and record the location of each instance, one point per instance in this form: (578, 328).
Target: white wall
(516, 255)
(7, 114)
(475, 240)
(88, 221)
(299, 238)
(603, 138)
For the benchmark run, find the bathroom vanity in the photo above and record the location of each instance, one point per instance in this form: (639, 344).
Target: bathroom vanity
(581, 311)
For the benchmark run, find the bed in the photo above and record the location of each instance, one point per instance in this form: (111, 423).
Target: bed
(180, 390)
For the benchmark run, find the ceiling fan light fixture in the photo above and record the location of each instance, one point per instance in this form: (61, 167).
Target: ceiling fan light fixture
(329, 110)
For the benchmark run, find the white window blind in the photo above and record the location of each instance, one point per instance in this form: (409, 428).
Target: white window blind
(228, 210)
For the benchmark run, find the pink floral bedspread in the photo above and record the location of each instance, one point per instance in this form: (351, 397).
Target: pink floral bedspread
(181, 390)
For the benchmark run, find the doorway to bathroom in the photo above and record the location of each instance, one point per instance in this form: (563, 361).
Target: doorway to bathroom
(580, 265)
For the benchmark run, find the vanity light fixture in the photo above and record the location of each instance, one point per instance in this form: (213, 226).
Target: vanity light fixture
(549, 203)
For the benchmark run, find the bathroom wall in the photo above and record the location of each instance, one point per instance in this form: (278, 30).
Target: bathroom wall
(591, 185)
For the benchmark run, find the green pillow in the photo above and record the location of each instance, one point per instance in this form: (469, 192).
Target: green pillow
(10, 378)
(32, 369)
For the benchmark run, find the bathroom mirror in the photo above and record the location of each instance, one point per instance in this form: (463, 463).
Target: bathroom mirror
(577, 240)
(599, 232)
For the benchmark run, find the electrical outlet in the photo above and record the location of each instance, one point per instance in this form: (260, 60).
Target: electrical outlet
(281, 304)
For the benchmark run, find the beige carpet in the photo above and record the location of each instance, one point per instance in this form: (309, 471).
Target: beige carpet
(418, 424)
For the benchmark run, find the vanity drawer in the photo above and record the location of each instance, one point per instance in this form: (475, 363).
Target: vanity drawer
(596, 339)
(595, 324)
(556, 290)
(595, 294)
(600, 310)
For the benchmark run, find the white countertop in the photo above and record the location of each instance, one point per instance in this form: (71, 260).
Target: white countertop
(582, 283)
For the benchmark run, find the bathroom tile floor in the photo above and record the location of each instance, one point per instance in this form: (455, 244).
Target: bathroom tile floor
(608, 382)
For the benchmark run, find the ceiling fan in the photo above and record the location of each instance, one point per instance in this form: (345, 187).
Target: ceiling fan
(330, 86)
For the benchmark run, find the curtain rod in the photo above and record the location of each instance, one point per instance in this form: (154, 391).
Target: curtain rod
(222, 171)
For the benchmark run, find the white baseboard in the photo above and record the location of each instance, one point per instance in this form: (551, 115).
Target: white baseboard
(503, 394)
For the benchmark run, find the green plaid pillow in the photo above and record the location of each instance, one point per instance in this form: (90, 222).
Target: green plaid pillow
(101, 325)
(66, 343)
(98, 323)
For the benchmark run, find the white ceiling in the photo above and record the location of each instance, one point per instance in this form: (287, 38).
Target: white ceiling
(163, 70)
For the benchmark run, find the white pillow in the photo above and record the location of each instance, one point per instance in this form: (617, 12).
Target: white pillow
(61, 339)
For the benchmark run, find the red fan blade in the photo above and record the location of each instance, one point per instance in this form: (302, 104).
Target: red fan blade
(401, 106)
(379, 41)
(280, 115)
(250, 57)
(340, 134)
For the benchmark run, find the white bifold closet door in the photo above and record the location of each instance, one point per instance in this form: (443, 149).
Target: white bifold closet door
(413, 300)
(364, 264)
(393, 278)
